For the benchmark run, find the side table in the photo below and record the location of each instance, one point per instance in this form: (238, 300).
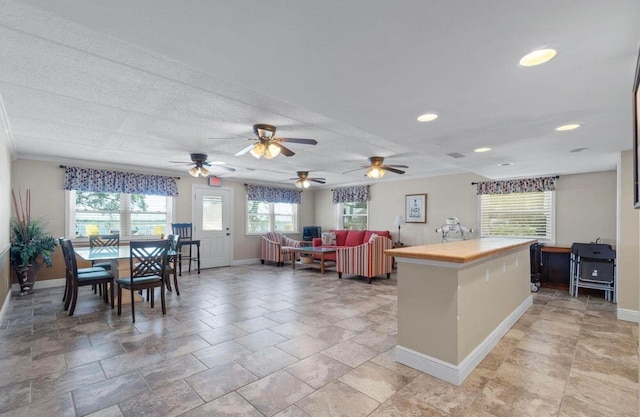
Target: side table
(395, 246)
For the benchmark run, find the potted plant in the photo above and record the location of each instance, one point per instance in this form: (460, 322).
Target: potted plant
(31, 246)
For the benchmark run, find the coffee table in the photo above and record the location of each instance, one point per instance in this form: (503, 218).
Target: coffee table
(311, 250)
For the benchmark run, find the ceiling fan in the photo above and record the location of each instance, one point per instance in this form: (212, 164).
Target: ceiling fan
(303, 179)
(199, 162)
(270, 146)
(377, 169)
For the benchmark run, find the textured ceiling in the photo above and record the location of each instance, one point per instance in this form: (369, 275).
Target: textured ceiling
(136, 84)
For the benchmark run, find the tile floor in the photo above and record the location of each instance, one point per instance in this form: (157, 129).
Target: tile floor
(262, 341)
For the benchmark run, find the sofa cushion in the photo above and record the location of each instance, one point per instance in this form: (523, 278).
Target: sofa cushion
(368, 233)
(328, 238)
(341, 237)
(354, 238)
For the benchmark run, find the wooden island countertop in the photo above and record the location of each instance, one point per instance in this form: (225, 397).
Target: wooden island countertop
(462, 251)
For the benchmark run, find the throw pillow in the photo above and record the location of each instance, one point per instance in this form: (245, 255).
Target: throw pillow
(372, 237)
(329, 239)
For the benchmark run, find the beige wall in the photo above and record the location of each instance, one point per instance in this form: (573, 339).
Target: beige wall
(45, 179)
(585, 207)
(628, 269)
(447, 196)
(5, 215)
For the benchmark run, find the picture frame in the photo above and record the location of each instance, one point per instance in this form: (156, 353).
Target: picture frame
(636, 135)
(415, 208)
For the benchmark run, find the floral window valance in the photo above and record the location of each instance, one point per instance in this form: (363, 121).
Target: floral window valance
(273, 194)
(525, 185)
(351, 194)
(97, 180)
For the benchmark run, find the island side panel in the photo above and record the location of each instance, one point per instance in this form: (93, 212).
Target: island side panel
(483, 304)
(427, 310)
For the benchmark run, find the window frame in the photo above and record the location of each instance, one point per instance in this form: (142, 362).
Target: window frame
(551, 214)
(272, 221)
(340, 215)
(125, 215)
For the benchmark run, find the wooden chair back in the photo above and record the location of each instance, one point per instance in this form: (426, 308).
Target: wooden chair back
(148, 259)
(184, 230)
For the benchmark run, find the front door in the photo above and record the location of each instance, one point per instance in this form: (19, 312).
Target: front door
(212, 220)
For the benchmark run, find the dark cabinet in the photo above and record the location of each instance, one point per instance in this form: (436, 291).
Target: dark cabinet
(556, 266)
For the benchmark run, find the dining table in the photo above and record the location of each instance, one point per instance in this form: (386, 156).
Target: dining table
(113, 255)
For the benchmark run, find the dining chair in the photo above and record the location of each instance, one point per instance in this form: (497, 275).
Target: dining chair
(81, 271)
(147, 261)
(104, 244)
(185, 232)
(172, 263)
(75, 279)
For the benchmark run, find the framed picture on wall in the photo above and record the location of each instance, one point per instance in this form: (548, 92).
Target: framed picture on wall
(415, 208)
(636, 135)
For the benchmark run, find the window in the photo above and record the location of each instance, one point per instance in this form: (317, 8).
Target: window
(524, 215)
(130, 215)
(271, 217)
(353, 216)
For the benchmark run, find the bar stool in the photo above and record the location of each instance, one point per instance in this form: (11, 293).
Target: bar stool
(185, 232)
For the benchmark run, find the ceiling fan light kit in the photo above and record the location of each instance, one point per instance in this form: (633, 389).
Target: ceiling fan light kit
(199, 171)
(375, 173)
(303, 183)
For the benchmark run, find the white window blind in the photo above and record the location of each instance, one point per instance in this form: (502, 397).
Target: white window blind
(525, 215)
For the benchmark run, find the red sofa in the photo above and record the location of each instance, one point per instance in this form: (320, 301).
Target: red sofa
(357, 253)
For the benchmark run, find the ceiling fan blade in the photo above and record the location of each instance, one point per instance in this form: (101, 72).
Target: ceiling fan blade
(285, 151)
(318, 180)
(245, 150)
(223, 167)
(397, 166)
(357, 169)
(298, 140)
(390, 169)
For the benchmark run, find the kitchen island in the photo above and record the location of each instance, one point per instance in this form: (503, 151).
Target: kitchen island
(457, 299)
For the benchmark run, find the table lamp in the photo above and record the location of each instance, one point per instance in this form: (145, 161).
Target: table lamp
(399, 220)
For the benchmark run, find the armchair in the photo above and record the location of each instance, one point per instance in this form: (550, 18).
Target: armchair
(276, 247)
(367, 260)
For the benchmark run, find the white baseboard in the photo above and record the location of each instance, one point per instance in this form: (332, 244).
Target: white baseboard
(49, 283)
(5, 306)
(240, 262)
(456, 374)
(629, 315)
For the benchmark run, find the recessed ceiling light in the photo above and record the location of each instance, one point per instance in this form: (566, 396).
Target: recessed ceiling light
(480, 150)
(578, 150)
(567, 127)
(537, 57)
(505, 164)
(427, 117)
